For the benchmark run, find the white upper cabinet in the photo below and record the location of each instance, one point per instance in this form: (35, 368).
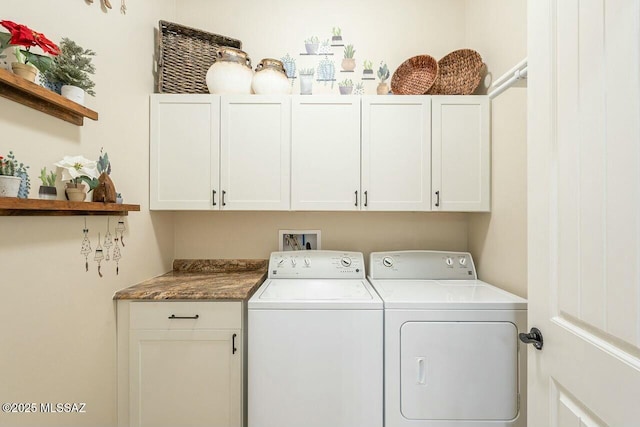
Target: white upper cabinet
(184, 146)
(255, 152)
(396, 153)
(325, 158)
(461, 154)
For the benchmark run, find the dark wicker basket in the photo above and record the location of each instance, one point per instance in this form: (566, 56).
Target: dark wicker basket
(184, 57)
(460, 73)
(414, 76)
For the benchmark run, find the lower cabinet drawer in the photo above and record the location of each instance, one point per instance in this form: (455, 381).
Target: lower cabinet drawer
(185, 315)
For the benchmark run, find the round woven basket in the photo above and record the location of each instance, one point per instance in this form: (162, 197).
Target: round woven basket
(415, 76)
(460, 73)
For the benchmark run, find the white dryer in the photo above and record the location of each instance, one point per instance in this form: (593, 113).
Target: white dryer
(315, 349)
(452, 354)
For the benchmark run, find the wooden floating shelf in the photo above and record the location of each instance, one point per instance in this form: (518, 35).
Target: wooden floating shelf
(12, 206)
(35, 96)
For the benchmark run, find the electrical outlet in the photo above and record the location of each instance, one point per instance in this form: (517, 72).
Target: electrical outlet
(298, 240)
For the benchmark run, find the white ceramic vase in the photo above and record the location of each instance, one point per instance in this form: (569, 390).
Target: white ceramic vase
(73, 93)
(270, 78)
(9, 186)
(231, 73)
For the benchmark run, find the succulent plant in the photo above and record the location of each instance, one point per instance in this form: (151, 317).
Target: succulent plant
(312, 40)
(11, 167)
(383, 72)
(346, 83)
(349, 51)
(307, 71)
(368, 65)
(47, 180)
(336, 31)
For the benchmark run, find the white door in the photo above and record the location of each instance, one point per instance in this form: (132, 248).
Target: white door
(461, 153)
(185, 378)
(255, 151)
(396, 153)
(184, 152)
(584, 212)
(325, 153)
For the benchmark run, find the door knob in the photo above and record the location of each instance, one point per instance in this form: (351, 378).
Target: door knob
(533, 337)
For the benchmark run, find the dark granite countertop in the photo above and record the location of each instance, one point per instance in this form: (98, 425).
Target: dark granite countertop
(197, 279)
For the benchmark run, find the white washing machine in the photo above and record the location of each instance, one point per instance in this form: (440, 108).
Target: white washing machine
(315, 349)
(452, 354)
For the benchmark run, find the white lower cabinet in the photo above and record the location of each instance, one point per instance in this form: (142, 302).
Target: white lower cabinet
(325, 153)
(461, 154)
(180, 364)
(396, 153)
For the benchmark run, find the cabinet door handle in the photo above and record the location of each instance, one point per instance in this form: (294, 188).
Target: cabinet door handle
(366, 199)
(173, 316)
(356, 198)
(224, 193)
(214, 198)
(437, 198)
(233, 344)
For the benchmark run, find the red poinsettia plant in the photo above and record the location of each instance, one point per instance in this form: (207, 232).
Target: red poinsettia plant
(21, 35)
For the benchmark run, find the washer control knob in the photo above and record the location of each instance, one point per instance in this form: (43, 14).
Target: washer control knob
(345, 261)
(281, 261)
(463, 261)
(387, 261)
(449, 261)
(293, 262)
(307, 261)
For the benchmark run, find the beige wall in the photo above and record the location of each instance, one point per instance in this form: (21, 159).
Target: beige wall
(498, 240)
(57, 322)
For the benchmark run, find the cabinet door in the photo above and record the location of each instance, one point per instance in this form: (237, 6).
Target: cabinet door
(255, 152)
(325, 158)
(185, 378)
(396, 153)
(461, 153)
(184, 151)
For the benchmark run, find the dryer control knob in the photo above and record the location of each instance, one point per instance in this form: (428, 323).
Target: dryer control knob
(345, 261)
(387, 261)
(449, 261)
(307, 261)
(463, 261)
(293, 262)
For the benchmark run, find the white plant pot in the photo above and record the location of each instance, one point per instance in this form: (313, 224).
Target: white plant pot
(306, 84)
(73, 93)
(9, 186)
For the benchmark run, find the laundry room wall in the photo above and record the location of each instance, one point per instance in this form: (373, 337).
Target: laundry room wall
(498, 240)
(57, 322)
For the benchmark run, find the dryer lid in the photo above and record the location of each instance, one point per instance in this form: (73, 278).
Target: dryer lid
(446, 295)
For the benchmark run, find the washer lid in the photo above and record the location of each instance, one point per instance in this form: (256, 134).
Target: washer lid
(446, 295)
(308, 294)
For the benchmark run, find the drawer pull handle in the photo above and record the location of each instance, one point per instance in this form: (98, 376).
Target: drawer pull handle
(233, 344)
(173, 316)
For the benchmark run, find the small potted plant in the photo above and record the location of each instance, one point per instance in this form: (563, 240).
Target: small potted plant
(48, 188)
(26, 61)
(76, 169)
(383, 75)
(336, 38)
(311, 45)
(367, 72)
(14, 179)
(346, 87)
(349, 63)
(306, 81)
(72, 69)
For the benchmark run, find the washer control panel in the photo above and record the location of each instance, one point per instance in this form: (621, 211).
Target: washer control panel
(316, 265)
(422, 265)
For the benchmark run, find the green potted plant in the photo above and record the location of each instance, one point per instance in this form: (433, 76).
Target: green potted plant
(311, 45)
(367, 72)
(48, 190)
(349, 63)
(14, 179)
(336, 38)
(383, 75)
(346, 87)
(76, 169)
(73, 68)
